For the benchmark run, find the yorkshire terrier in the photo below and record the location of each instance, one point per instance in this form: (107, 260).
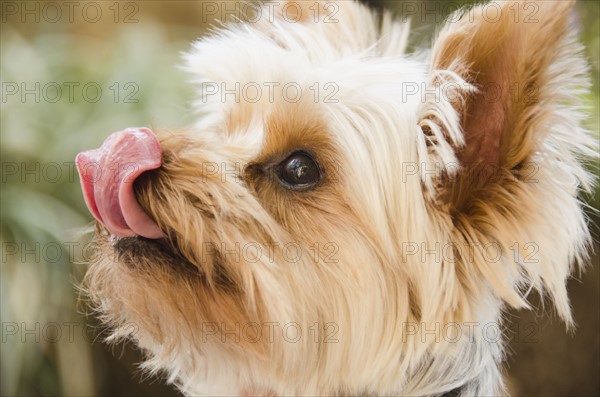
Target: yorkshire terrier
(346, 217)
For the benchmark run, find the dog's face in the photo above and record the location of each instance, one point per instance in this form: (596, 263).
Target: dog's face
(319, 218)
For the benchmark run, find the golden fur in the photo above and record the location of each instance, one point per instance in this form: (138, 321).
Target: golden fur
(373, 300)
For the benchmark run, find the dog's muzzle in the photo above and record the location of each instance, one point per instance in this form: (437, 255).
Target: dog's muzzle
(107, 175)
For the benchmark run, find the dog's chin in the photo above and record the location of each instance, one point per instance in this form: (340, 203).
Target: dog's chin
(144, 254)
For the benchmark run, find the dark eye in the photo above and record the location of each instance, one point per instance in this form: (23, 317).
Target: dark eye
(299, 171)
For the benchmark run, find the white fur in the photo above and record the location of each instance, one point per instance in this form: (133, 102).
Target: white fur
(378, 130)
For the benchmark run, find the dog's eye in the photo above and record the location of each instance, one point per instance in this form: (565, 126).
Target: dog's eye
(299, 171)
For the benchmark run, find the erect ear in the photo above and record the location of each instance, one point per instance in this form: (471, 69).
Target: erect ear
(512, 125)
(509, 58)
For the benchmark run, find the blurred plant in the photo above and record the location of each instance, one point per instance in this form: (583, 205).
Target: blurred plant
(41, 204)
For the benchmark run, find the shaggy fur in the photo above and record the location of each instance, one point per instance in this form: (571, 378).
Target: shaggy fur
(449, 191)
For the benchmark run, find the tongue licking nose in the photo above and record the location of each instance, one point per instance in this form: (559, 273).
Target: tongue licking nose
(107, 175)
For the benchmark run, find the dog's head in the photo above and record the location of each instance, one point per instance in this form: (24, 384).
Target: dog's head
(339, 199)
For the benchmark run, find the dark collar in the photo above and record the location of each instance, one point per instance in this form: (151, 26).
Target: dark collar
(453, 393)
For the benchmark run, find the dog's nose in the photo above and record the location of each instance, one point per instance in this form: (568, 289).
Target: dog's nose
(107, 175)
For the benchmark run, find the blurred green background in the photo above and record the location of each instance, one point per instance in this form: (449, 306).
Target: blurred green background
(72, 73)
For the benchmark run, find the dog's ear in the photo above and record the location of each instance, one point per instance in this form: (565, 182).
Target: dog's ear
(504, 134)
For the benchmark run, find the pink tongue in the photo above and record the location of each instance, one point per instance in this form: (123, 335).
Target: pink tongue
(107, 176)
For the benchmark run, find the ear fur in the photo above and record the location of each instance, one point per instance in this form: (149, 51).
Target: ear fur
(509, 157)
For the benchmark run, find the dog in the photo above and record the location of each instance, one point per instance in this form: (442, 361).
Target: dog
(346, 217)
